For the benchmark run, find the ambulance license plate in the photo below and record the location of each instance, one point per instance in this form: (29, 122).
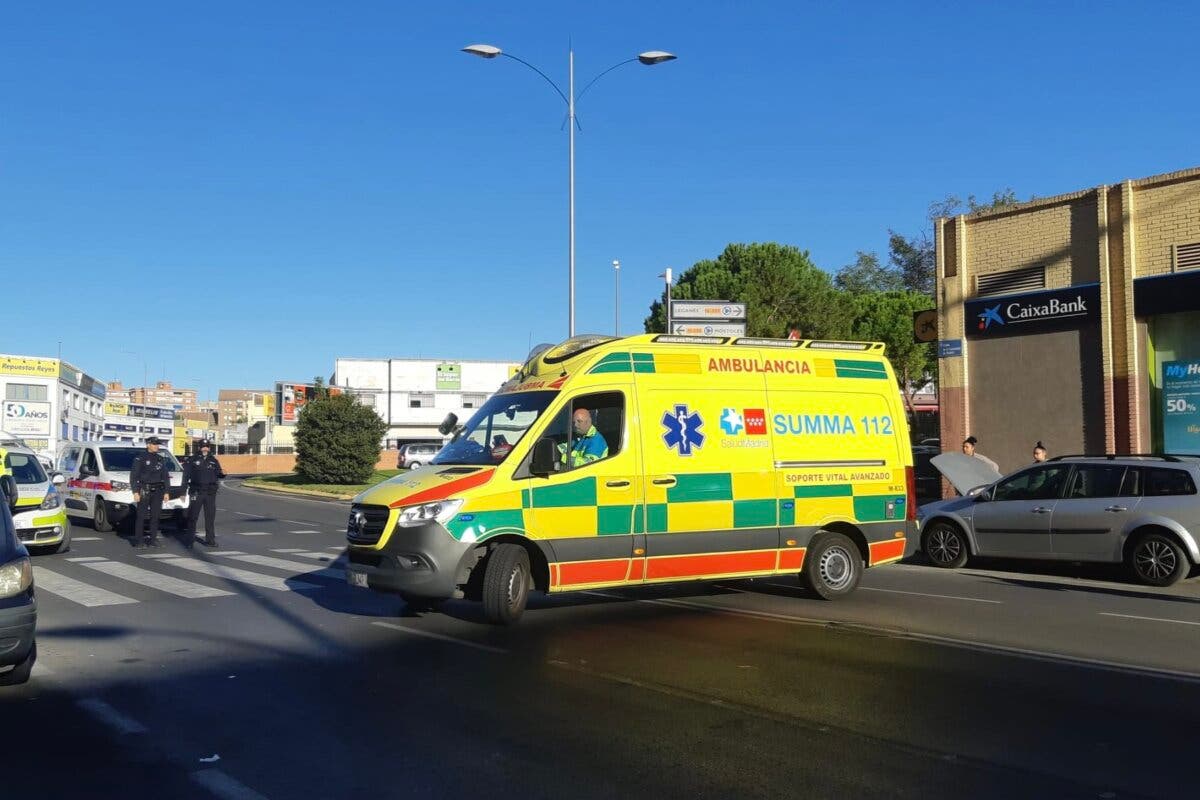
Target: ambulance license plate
(356, 578)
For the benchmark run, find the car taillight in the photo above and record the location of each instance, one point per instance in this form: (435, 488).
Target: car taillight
(910, 476)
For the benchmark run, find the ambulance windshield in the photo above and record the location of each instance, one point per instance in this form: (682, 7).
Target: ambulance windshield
(492, 433)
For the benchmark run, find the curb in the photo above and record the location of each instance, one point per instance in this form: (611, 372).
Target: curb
(293, 493)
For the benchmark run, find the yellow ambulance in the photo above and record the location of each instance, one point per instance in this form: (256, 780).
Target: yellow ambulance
(651, 459)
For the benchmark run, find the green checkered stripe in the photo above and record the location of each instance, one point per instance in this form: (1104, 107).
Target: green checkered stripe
(624, 362)
(865, 507)
(853, 368)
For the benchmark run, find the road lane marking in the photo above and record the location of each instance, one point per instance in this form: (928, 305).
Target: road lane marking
(85, 538)
(251, 533)
(298, 522)
(308, 531)
(108, 715)
(156, 580)
(337, 547)
(87, 558)
(1149, 619)
(441, 637)
(223, 786)
(287, 549)
(328, 558)
(241, 575)
(77, 591)
(300, 567)
(938, 596)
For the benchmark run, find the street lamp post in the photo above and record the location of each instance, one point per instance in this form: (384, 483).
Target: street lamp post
(616, 297)
(649, 58)
(666, 276)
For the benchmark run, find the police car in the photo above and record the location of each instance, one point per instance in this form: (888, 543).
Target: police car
(97, 483)
(38, 515)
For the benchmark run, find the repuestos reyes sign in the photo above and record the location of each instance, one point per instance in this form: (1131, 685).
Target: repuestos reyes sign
(1016, 314)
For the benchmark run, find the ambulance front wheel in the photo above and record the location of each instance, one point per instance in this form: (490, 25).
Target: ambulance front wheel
(832, 567)
(506, 583)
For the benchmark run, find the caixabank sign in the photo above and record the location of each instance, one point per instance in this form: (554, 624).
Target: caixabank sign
(1035, 312)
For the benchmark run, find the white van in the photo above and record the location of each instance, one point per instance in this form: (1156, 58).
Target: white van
(97, 487)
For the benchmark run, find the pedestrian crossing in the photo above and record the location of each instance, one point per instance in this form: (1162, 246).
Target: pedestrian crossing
(97, 582)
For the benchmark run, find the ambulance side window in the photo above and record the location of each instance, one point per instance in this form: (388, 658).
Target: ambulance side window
(602, 440)
(70, 460)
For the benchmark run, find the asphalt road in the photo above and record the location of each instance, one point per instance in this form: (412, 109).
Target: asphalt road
(254, 671)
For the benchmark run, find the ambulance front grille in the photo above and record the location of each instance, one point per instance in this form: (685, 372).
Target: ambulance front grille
(366, 523)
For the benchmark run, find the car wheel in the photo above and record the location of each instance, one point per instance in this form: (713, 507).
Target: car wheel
(65, 545)
(832, 566)
(100, 520)
(415, 465)
(506, 584)
(1158, 560)
(21, 672)
(945, 545)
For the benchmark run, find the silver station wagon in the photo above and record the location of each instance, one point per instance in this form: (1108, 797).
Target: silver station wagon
(1142, 511)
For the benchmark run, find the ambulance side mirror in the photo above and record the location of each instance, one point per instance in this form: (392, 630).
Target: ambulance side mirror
(544, 453)
(9, 487)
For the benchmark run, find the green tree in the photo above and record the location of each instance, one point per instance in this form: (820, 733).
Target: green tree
(888, 317)
(915, 259)
(779, 284)
(337, 440)
(866, 274)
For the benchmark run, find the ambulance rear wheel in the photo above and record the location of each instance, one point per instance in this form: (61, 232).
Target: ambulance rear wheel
(832, 567)
(100, 520)
(506, 583)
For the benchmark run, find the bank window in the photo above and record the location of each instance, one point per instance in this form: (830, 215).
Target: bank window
(1096, 481)
(1039, 483)
(25, 391)
(1168, 483)
(588, 430)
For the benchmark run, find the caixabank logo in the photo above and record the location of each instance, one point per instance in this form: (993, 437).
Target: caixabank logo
(1052, 309)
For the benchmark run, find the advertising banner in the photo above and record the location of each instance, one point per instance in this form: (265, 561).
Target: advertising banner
(22, 417)
(29, 367)
(449, 376)
(290, 399)
(1181, 407)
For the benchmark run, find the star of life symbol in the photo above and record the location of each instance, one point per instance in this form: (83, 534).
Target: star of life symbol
(683, 429)
(731, 422)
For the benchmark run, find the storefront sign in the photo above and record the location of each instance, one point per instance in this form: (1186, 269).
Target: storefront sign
(1167, 294)
(1018, 314)
(22, 417)
(29, 367)
(1181, 407)
(950, 348)
(925, 326)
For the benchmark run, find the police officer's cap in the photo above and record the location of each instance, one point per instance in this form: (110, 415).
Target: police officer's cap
(205, 443)
(154, 440)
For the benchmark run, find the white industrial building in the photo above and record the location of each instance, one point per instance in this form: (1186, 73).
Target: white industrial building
(413, 396)
(48, 402)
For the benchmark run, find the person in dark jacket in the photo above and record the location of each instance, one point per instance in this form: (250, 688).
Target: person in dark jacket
(202, 478)
(149, 479)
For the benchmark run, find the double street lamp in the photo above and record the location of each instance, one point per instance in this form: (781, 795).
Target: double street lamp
(649, 58)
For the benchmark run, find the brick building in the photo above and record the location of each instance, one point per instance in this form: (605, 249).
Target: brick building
(161, 394)
(1074, 320)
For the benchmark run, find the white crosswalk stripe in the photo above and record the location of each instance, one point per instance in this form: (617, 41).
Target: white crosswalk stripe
(155, 580)
(240, 575)
(76, 591)
(251, 533)
(286, 564)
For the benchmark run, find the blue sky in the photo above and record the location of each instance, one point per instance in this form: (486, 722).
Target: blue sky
(241, 192)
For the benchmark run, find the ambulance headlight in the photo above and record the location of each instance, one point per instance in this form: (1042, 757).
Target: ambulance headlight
(53, 499)
(441, 511)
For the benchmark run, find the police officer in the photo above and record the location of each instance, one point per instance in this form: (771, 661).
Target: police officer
(150, 481)
(202, 477)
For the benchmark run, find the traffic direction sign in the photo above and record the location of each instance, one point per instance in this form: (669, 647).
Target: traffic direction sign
(715, 310)
(708, 329)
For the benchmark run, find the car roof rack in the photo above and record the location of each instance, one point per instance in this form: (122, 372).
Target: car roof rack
(1175, 457)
